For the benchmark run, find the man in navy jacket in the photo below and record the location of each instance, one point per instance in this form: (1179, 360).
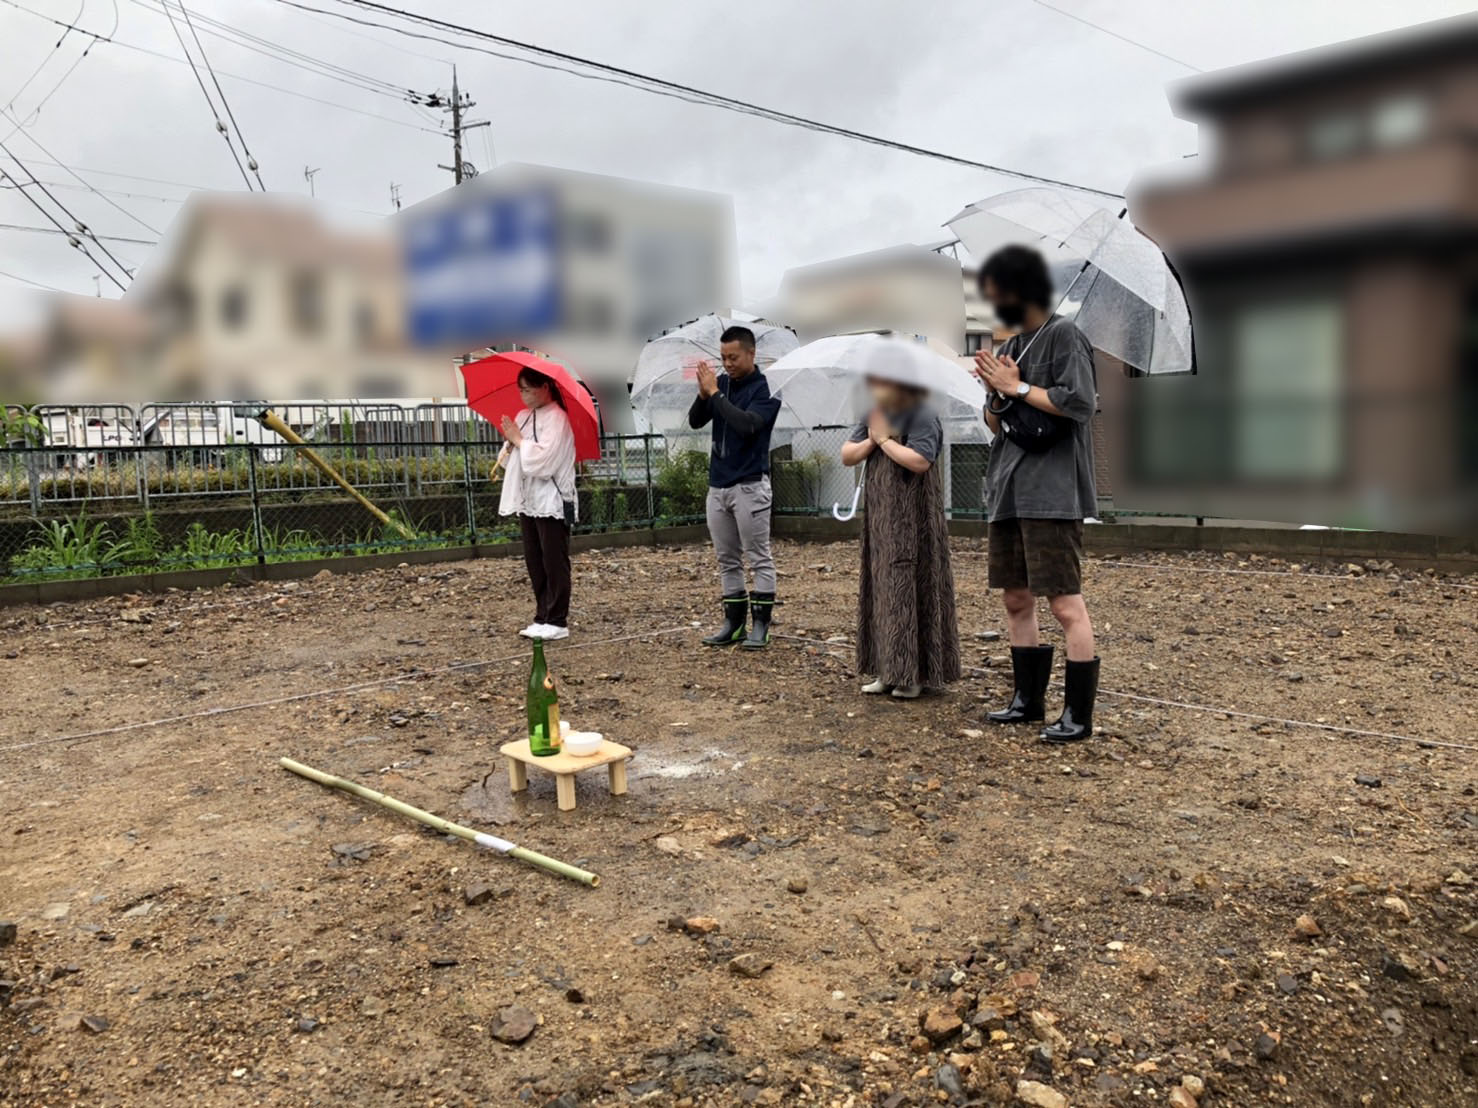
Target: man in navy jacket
(739, 405)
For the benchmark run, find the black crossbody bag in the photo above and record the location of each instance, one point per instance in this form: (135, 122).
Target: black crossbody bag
(1029, 428)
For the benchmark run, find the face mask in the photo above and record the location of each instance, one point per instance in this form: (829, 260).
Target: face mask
(1012, 315)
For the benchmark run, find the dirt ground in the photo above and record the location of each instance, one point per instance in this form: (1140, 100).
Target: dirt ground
(949, 913)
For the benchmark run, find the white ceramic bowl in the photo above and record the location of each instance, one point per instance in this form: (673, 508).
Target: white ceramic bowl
(583, 743)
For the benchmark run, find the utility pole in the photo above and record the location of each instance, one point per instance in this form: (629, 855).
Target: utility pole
(458, 104)
(308, 175)
(395, 195)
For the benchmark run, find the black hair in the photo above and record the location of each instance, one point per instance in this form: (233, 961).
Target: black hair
(534, 380)
(1020, 270)
(742, 335)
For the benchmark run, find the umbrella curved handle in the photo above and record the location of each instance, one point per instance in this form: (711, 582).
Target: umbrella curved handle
(836, 509)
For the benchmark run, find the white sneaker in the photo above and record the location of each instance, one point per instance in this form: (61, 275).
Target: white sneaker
(875, 688)
(533, 631)
(908, 692)
(550, 631)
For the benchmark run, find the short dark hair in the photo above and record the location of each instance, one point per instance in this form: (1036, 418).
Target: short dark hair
(742, 335)
(1020, 270)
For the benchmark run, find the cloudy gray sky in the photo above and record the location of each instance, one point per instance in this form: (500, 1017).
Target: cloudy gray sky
(1005, 81)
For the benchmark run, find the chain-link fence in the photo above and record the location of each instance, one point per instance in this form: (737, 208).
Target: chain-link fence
(112, 490)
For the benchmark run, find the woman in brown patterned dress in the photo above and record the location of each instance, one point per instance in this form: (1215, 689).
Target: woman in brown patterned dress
(906, 633)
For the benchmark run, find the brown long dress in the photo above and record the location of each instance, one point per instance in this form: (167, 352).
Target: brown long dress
(906, 630)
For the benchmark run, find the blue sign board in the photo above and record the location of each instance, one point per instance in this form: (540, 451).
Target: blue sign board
(482, 271)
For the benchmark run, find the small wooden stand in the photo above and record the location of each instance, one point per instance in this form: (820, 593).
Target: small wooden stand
(564, 767)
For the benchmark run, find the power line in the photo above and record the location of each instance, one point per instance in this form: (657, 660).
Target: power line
(251, 162)
(82, 227)
(28, 281)
(103, 193)
(1115, 34)
(602, 71)
(221, 127)
(60, 230)
(37, 143)
(234, 76)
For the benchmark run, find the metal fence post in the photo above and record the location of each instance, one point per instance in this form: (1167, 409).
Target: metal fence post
(651, 499)
(256, 504)
(33, 479)
(471, 495)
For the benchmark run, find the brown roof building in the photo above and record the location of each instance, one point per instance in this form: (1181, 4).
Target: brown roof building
(1329, 247)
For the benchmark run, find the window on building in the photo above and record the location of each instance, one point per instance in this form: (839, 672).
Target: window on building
(1335, 134)
(233, 308)
(306, 294)
(1287, 382)
(1399, 120)
(364, 321)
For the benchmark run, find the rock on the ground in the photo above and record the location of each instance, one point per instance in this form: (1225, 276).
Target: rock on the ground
(513, 1025)
(1397, 907)
(700, 925)
(1039, 1095)
(1307, 927)
(797, 885)
(1180, 1097)
(749, 965)
(7, 932)
(941, 1023)
(478, 893)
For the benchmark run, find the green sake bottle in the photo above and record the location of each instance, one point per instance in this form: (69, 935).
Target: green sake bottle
(543, 707)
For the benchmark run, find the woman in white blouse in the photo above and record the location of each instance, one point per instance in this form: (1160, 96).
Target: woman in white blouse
(539, 488)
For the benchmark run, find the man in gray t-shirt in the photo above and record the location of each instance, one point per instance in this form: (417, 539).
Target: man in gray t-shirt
(1040, 487)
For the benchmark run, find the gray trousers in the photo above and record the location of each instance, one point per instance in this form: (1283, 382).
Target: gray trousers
(739, 524)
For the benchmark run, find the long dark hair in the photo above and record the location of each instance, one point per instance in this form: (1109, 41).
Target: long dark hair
(533, 379)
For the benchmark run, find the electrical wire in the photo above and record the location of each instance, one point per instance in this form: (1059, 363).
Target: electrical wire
(170, 58)
(59, 230)
(221, 127)
(1115, 34)
(590, 69)
(240, 135)
(82, 227)
(28, 281)
(34, 141)
(68, 28)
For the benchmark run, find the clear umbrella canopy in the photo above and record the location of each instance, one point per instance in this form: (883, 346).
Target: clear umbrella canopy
(1115, 283)
(666, 379)
(822, 381)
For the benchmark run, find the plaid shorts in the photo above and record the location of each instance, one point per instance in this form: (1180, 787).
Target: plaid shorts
(1043, 555)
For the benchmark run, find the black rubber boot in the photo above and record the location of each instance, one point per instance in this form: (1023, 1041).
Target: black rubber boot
(732, 632)
(761, 604)
(1081, 691)
(1031, 668)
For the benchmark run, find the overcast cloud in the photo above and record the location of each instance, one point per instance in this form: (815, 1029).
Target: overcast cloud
(1004, 81)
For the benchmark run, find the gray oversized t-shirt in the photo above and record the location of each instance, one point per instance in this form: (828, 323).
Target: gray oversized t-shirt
(1056, 483)
(918, 429)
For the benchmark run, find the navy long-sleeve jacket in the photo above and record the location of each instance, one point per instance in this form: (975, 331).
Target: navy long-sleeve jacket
(743, 414)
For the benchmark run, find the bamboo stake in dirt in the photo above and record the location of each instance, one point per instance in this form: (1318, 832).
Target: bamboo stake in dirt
(446, 826)
(270, 419)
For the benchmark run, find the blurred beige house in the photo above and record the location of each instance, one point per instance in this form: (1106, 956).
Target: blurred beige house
(262, 298)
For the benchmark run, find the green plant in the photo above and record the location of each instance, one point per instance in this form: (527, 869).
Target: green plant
(682, 485)
(203, 548)
(65, 546)
(142, 543)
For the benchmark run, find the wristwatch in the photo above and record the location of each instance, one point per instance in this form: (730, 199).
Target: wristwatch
(1023, 390)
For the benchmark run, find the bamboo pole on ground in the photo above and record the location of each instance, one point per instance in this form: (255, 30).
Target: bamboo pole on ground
(446, 826)
(271, 420)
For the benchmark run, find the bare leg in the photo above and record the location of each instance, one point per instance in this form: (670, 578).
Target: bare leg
(1021, 616)
(1072, 613)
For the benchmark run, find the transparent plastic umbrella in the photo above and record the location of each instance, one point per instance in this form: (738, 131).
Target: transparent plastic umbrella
(1114, 282)
(665, 381)
(823, 381)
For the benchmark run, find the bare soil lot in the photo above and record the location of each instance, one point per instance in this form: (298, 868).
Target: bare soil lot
(946, 911)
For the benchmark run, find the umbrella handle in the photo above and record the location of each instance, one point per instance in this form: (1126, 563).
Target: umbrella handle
(836, 509)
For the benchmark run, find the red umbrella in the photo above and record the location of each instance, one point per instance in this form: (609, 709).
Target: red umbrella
(492, 392)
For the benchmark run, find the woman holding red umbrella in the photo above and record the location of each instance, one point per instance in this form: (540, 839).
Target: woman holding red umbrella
(539, 488)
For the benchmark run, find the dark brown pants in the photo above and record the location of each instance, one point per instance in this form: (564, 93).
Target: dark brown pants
(546, 552)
